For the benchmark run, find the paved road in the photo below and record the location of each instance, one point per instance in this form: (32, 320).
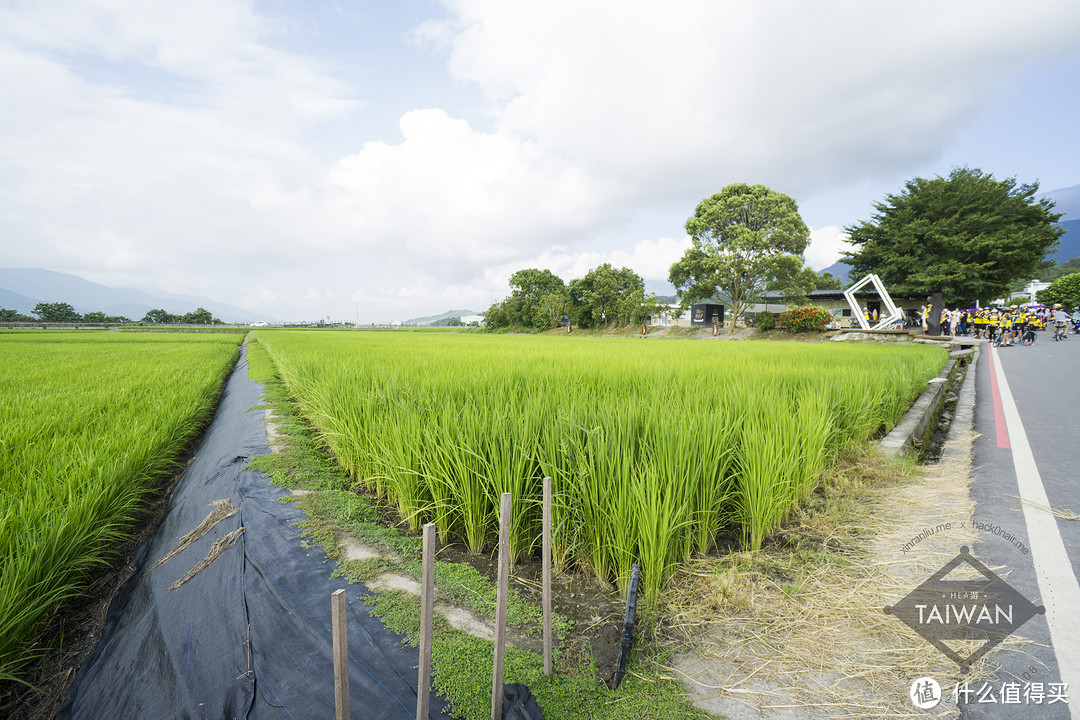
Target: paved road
(1027, 457)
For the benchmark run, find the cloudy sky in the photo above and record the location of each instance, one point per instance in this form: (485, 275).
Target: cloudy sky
(375, 160)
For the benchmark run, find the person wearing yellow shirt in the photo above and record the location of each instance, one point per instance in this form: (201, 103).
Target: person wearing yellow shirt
(1020, 324)
(1005, 323)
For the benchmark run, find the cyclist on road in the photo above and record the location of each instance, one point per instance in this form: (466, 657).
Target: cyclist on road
(1005, 322)
(1020, 323)
(1061, 322)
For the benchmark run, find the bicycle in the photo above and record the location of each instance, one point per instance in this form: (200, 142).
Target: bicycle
(1028, 338)
(1059, 332)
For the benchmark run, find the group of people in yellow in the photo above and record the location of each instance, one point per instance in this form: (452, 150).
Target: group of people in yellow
(953, 322)
(1008, 322)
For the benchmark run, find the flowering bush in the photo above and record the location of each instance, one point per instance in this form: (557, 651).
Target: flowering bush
(804, 319)
(765, 320)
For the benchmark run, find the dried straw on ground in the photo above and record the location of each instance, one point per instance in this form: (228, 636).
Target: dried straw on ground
(776, 636)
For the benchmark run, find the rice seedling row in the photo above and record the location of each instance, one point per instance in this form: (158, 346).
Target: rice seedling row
(655, 448)
(89, 424)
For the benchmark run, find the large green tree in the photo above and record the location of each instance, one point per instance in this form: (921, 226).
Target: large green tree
(57, 312)
(157, 316)
(1064, 290)
(743, 238)
(526, 305)
(967, 236)
(495, 317)
(9, 315)
(553, 307)
(606, 296)
(201, 316)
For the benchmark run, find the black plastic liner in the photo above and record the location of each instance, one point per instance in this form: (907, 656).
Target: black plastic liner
(249, 634)
(629, 618)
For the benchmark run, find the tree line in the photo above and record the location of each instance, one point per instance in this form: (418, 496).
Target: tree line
(62, 312)
(605, 297)
(968, 236)
(747, 239)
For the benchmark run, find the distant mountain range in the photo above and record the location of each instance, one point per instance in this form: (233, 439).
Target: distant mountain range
(23, 288)
(434, 319)
(1066, 200)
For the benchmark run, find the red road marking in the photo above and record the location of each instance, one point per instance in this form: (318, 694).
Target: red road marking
(1000, 430)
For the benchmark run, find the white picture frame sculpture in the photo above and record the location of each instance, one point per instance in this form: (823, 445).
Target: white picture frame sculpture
(885, 320)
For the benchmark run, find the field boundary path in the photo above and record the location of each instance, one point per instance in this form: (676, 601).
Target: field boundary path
(228, 613)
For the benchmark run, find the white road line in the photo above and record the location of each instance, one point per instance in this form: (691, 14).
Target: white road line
(1057, 583)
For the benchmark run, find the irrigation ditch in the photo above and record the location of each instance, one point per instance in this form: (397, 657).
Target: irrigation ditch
(197, 630)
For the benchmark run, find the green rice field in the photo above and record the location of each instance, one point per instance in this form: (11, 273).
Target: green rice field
(90, 424)
(655, 448)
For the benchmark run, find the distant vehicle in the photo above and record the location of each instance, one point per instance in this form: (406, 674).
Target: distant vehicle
(257, 324)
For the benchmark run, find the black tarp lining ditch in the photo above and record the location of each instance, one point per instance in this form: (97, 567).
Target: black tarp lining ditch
(247, 634)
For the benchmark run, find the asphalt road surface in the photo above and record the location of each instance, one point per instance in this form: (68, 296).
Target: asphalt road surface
(1026, 466)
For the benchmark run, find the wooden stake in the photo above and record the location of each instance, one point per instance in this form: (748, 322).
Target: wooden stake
(341, 655)
(427, 607)
(500, 608)
(546, 562)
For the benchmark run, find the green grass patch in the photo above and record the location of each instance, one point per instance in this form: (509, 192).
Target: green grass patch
(461, 670)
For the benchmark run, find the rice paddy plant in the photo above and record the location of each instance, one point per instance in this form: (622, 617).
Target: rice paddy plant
(662, 520)
(654, 448)
(587, 497)
(814, 437)
(764, 470)
(89, 423)
(709, 464)
(466, 494)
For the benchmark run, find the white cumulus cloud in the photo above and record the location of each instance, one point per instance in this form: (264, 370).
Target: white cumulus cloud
(827, 244)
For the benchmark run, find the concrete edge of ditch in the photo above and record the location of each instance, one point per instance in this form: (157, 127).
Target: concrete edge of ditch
(919, 422)
(964, 414)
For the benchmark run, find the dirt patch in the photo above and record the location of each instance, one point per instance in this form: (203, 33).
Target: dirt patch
(273, 431)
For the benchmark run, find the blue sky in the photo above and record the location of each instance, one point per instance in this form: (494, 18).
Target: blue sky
(379, 161)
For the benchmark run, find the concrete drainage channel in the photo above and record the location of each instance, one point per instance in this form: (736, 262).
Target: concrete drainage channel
(948, 395)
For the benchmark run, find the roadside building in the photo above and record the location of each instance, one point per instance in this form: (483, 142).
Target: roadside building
(837, 305)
